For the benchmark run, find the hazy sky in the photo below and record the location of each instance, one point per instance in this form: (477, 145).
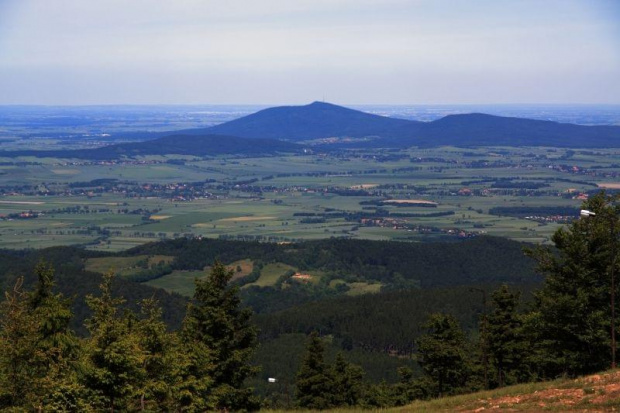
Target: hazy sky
(298, 51)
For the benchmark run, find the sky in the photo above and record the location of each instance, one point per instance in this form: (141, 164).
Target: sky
(80, 52)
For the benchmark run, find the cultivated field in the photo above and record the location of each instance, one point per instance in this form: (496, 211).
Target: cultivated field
(413, 194)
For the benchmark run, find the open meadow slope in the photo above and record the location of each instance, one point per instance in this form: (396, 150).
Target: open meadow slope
(594, 393)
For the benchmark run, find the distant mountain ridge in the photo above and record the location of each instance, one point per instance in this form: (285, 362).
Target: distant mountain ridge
(280, 129)
(314, 121)
(323, 120)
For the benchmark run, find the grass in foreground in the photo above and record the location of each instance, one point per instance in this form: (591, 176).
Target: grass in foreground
(599, 392)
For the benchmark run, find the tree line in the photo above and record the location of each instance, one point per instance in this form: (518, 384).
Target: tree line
(568, 329)
(129, 361)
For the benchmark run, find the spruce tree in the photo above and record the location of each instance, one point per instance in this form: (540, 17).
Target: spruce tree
(570, 325)
(115, 362)
(315, 384)
(163, 361)
(218, 330)
(348, 382)
(18, 336)
(39, 354)
(442, 353)
(506, 343)
(58, 348)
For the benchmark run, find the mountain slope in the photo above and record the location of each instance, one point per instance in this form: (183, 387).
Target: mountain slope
(599, 392)
(481, 129)
(313, 121)
(323, 120)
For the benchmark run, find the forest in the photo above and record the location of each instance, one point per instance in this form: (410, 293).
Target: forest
(440, 339)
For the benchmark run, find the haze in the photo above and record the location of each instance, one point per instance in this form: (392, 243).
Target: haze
(74, 52)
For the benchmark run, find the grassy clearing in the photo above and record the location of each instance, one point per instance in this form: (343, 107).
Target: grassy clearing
(124, 266)
(270, 273)
(245, 266)
(364, 288)
(116, 264)
(181, 282)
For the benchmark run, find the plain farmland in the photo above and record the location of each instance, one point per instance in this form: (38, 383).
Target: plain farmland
(47, 202)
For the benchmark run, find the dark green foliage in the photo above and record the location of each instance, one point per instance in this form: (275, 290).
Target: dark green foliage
(152, 273)
(442, 354)
(570, 324)
(348, 382)
(524, 211)
(386, 322)
(74, 282)
(17, 349)
(505, 338)
(38, 352)
(115, 361)
(398, 265)
(128, 363)
(216, 320)
(315, 384)
(164, 362)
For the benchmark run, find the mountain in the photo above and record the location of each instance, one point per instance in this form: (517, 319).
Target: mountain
(479, 129)
(275, 130)
(313, 121)
(323, 120)
(198, 145)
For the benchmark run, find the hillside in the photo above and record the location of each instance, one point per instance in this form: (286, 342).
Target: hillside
(323, 120)
(274, 130)
(178, 144)
(314, 121)
(594, 393)
(75, 283)
(478, 129)
(598, 392)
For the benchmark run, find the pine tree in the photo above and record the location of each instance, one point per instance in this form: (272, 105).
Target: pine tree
(348, 382)
(217, 328)
(58, 348)
(570, 324)
(442, 353)
(315, 385)
(506, 343)
(18, 335)
(39, 354)
(115, 368)
(163, 360)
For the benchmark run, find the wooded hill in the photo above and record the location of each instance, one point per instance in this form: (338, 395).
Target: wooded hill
(417, 280)
(323, 120)
(277, 130)
(393, 265)
(478, 260)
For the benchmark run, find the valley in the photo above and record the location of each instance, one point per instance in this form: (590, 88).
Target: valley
(518, 193)
(361, 239)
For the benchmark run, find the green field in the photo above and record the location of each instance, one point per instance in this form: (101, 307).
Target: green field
(291, 198)
(181, 282)
(270, 274)
(124, 266)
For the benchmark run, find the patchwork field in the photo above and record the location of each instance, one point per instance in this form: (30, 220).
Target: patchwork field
(414, 194)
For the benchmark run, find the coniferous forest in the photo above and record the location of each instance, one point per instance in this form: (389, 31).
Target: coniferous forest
(71, 340)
